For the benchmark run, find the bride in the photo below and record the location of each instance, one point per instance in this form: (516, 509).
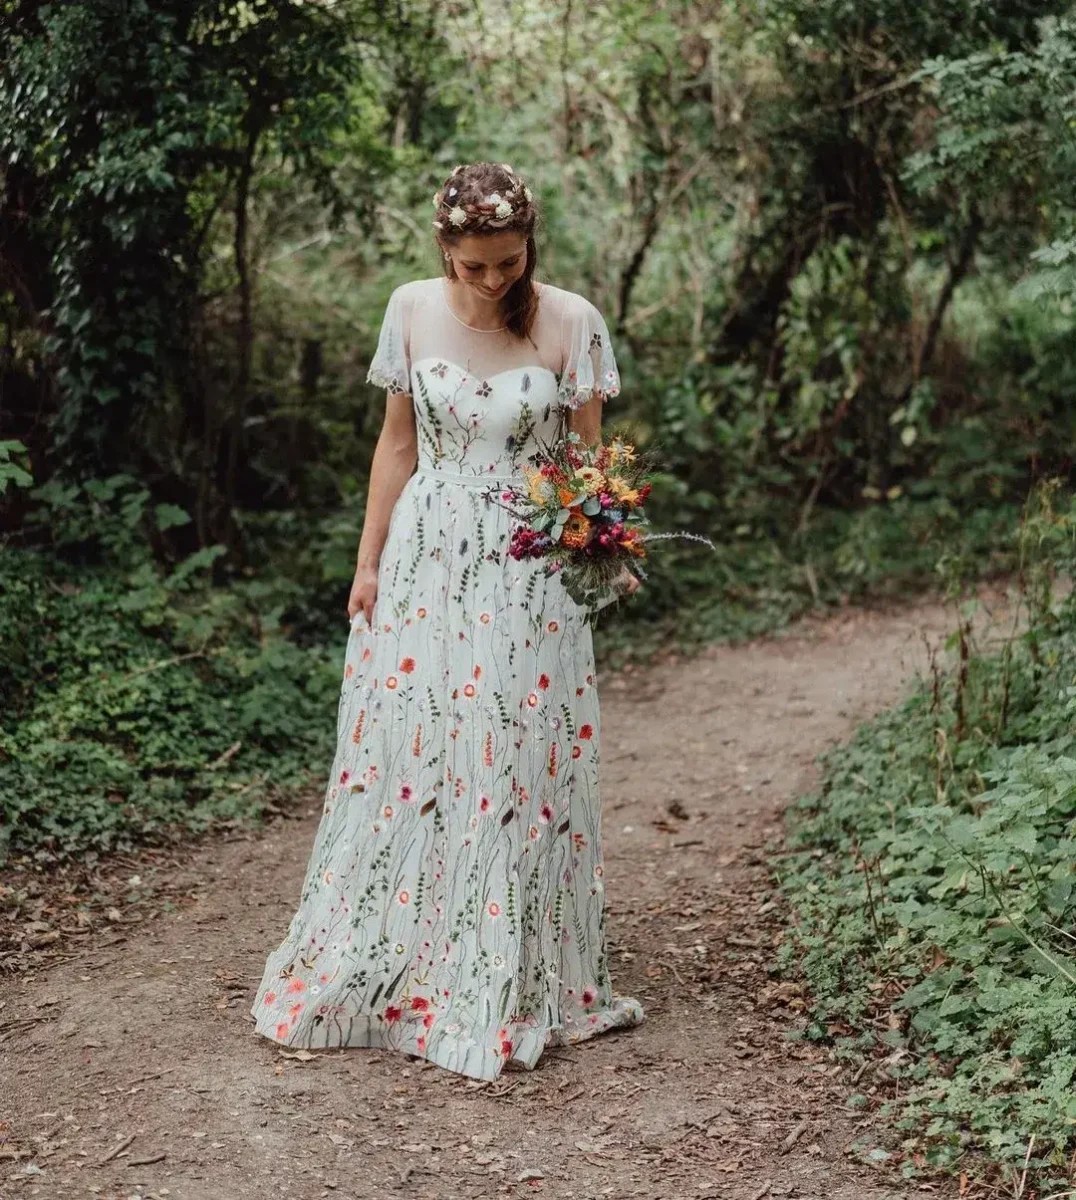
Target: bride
(453, 906)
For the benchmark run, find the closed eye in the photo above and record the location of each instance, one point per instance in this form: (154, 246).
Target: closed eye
(508, 262)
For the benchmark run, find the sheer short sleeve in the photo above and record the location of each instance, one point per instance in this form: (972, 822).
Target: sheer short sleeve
(589, 363)
(391, 365)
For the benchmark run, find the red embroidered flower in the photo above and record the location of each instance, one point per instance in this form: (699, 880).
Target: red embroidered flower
(407, 665)
(393, 1013)
(419, 1004)
(586, 733)
(543, 681)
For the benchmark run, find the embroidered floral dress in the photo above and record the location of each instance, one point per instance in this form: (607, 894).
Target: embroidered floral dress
(453, 903)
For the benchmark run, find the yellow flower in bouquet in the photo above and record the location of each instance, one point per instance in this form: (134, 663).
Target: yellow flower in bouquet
(539, 489)
(592, 479)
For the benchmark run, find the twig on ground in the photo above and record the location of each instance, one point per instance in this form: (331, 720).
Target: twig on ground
(117, 1149)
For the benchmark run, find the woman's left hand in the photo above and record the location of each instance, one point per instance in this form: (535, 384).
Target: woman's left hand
(627, 583)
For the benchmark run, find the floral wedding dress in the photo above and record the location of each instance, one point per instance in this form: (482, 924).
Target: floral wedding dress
(453, 903)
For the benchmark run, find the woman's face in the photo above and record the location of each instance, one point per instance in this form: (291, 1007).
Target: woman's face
(489, 263)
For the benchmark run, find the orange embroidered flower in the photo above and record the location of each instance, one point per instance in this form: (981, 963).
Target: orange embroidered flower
(349, 670)
(421, 613)
(360, 724)
(282, 1030)
(485, 618)
(407, 665)
(416, 742)
(553, 759)
(391, 683)
(295, 986)
(366, 654)
(477, 672)
(553, 626)
(469, 689)
(487, 750)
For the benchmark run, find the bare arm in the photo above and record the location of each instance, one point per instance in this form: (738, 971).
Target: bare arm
(394, 460)
(587, 420)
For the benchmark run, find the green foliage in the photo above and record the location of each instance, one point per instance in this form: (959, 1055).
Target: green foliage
(935, 890)
(140, 702)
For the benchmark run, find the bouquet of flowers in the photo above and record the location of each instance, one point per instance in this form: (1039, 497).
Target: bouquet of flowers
(583, 514)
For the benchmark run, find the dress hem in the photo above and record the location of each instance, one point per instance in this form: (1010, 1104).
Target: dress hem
(463, 1056)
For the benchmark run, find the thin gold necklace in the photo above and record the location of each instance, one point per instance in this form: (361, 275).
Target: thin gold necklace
(473, 328)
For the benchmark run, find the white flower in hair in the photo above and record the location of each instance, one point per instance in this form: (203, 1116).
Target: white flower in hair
(504, 209)
(528, 195)
(494, 198)
(457, 215)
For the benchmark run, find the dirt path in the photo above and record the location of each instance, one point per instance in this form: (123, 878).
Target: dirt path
(130, 1069)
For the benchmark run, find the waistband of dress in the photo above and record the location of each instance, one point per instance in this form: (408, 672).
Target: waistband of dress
(474, 481)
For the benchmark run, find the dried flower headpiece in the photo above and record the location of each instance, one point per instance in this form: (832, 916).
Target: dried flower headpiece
(494, 211)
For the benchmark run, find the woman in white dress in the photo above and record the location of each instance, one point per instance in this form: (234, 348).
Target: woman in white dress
(453, 903)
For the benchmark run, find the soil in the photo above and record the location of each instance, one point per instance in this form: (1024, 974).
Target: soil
(131, 1068)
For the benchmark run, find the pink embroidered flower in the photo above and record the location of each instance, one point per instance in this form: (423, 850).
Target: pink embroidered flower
(545, 814)
(494, 909)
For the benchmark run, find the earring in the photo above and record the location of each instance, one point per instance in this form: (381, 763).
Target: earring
(448, 258)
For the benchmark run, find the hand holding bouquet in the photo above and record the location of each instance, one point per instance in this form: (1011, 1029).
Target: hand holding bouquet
(583, 514)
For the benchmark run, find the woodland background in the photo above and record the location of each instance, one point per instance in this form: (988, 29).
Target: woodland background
(835, 243)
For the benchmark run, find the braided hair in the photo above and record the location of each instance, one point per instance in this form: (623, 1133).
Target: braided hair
(484, 198)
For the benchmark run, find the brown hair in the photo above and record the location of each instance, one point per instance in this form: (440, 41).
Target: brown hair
(468, 189)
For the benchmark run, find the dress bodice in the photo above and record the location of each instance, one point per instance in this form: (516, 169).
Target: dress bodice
(485, 426)
(485, 398)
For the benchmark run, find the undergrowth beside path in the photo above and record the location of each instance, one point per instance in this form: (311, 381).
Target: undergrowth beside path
(935, 896)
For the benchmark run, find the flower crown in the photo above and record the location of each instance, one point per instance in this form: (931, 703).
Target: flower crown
(495, 211)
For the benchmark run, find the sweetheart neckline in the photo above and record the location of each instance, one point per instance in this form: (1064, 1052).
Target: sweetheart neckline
(483, 378)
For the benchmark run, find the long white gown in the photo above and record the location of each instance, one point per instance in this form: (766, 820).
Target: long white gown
(453, 903)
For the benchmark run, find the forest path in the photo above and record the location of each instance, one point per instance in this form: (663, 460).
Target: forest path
(131, 1068)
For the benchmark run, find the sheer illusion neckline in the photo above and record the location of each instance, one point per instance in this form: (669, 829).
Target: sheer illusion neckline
(452, 313)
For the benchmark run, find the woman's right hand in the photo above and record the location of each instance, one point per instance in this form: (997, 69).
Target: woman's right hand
(363, 594)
